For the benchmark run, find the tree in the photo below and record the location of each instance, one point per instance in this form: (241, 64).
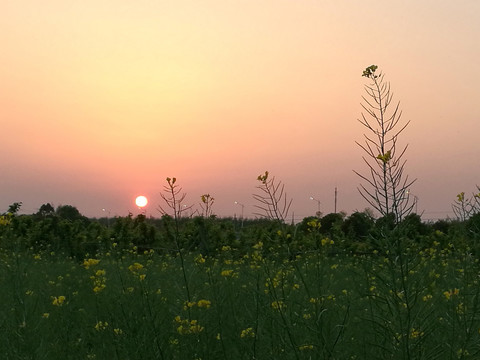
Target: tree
(46, 210)
(69, 212)
(14, 208)
(385, 186)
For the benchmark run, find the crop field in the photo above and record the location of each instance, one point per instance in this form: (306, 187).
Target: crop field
(401, 303)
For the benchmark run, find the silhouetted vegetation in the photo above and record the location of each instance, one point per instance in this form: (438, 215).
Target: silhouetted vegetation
(67, 230)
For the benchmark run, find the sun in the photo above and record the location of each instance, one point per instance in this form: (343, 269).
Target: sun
(141, 201)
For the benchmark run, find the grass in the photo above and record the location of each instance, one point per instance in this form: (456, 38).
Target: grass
(403, 304)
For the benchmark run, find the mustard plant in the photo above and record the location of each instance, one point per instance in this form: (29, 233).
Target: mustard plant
(272, 201)
(386, 184)
(206, 205)
(464, 207)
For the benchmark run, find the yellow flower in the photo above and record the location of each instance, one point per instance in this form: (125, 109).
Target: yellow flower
(4, 220)
(99, 288)
(226, 273)
(385, 157)
(188, 304)
(415, 333)
(135, 267)
(204, 304)
(188, 327)
(142, 277)
(448, 294)
(278, 305)
(327, 241)
(427, 297)
(100, 273)
(247, 333)
(101, 325)
(90, 262)
(199, 259)
(195, 328)
(45, 315)
(118, 331)
(58, 301)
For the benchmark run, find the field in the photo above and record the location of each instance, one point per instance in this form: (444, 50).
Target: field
(400, 303)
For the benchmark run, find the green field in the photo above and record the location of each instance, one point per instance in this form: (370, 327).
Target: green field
(401, 303)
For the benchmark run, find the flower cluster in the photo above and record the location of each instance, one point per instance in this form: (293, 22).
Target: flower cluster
(314, 225)
(90, 262)
(187, 327)
(58, 301)
(136, 269)
(247, 333)
(199, 259)
(200, 303)
(101, 325)
(448, 294)
(326, 242)
(278, 305)
(229, 273)
(99, 281)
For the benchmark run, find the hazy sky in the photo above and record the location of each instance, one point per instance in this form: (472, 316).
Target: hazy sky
(101, 100)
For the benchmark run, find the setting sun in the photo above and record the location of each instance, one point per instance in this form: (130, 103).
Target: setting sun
(141, 201)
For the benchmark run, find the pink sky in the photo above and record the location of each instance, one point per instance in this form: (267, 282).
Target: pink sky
(101, 100)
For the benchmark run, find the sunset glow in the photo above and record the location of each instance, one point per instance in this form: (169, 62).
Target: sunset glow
(101, 98)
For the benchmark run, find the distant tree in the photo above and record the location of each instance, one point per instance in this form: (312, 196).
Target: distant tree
(358, 225)
(14, 208)
(386, 185)
(331, 220)
(413, 227)
(46, 210)
(68, 212)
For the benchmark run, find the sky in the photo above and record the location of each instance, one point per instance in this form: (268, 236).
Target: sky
(102, 100)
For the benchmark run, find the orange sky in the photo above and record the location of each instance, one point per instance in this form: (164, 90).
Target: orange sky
(101, 100)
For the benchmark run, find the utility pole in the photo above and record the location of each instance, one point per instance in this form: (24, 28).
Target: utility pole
(335, 199)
